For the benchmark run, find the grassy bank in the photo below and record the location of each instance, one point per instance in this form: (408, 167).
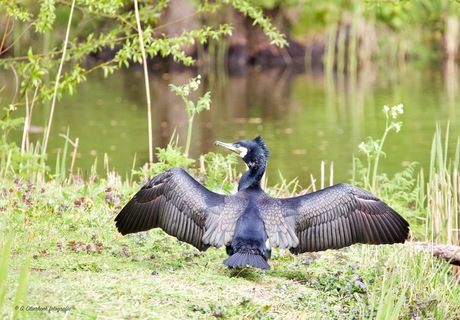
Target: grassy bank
(80, 265)
(62, 256)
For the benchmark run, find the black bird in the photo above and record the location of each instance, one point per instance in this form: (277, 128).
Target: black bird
(250, 222)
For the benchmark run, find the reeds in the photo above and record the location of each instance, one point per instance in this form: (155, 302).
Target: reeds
(348, 41)
(323, 178)
(61, 167)
(146, 81)
(443, 192)
(408, 291)
(58, 77)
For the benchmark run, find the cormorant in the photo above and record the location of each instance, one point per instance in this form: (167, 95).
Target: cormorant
(250, 222)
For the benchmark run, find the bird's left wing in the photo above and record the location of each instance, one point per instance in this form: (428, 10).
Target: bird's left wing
(176, 203)
(342, 215)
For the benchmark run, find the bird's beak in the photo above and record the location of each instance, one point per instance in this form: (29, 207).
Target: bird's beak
(241, 151)
(229, 146)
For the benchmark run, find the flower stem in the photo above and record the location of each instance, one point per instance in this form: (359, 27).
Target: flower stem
(377, 156)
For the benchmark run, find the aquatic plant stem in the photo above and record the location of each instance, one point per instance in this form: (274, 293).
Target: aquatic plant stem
(377, 156)
(147, 82)
(58, 76)
(189, 134)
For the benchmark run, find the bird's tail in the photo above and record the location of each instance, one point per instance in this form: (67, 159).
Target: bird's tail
(247, 257)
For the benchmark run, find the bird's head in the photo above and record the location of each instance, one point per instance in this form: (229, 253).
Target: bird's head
(253, 152)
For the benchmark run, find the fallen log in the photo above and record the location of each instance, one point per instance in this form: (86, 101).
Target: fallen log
(450, 253)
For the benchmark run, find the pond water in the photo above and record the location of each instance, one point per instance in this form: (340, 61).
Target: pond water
(305, 118)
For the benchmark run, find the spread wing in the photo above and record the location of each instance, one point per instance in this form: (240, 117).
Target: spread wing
(183, 208)
(340, 216)
(279, 221)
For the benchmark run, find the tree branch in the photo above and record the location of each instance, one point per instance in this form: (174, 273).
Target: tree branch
(450, 253)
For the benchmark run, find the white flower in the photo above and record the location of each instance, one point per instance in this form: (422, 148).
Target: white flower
(397, 110)
(397, 126)
(386, 109)
(362, 147)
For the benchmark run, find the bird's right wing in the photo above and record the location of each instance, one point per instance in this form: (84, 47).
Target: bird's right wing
(178, 204)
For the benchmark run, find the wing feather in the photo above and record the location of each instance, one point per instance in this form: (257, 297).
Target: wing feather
(174, 202)
(340, 216)
(346, 229)
(278, 222)
(327, 236)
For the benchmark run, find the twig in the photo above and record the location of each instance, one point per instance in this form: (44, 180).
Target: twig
(5, 33)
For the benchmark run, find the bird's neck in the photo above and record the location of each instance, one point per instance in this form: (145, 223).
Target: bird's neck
(252, 177)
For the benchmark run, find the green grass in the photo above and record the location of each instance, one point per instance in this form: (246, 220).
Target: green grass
(63, 257)
(64, 236)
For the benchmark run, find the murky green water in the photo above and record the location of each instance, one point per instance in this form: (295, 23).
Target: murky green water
(304, 118)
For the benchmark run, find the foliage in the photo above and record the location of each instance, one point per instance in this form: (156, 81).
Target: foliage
(20, 295)
(216, 172)
(83, 266)
(434, 205)
(47, 67)
(3, 267)
(374, 148)
(118, 32)
(403, 192)
(220, 171)
(212, 165)
(15, 161)
(259, 18)
(443, 200)
(390, 32)
(203, 103)
(168, 157)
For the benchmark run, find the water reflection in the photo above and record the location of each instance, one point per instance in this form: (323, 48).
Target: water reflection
(305, 118)
(451, 81)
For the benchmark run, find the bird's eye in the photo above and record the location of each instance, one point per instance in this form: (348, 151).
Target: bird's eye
(237, 145)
